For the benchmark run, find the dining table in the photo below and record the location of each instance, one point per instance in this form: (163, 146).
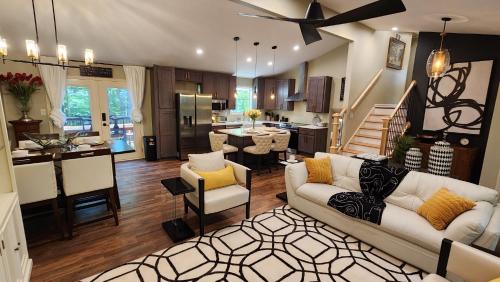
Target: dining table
(242, 137)
(117, 147)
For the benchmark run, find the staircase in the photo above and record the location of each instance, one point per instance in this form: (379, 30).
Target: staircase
(368, 137)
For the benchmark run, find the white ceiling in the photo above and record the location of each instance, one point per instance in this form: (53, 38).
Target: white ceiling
(164, 32)
(423, 15)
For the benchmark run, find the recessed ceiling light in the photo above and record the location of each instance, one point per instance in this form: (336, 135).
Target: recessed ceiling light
(296, 48)
(395, 28)
(199, 51)
(270, 63)
(249, 59)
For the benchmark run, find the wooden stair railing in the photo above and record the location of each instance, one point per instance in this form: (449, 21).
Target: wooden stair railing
(367, 90)
(337, 126)
(396, 124)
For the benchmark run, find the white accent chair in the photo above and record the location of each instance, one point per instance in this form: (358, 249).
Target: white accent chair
(218, 142)
(37, 184)
(260, 150)
(217, 200)
(460, 262)
(87, 174)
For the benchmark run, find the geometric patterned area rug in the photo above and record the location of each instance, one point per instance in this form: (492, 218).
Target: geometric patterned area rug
(279, 245)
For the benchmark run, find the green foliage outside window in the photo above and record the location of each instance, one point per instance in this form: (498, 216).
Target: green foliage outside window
(76, 102)
(243, 100)
(119, 102)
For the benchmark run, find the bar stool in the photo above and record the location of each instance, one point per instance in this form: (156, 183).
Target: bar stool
(280, 144)
(217, 143)
(261, 149)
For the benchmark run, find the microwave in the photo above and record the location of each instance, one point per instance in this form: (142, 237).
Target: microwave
(219, 105)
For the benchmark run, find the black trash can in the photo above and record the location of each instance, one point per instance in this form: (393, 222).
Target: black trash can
(150, 148)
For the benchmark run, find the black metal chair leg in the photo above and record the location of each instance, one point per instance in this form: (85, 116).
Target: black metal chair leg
(112, 201)
(57, 215)
(248, 210)
(202, 224)
(185, 205)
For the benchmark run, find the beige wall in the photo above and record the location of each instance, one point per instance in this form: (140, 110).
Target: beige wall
(40, 102)
(331, 64)
(491, 163)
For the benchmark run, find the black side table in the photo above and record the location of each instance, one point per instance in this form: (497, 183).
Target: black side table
(176, 228)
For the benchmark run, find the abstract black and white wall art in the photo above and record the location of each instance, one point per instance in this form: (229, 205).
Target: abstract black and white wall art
(456, 102)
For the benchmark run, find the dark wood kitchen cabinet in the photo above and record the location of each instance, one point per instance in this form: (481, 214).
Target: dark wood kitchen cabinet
(285, 88)
(188, 75)
(259, 89)
(318, 94)
(231, 101)
(217, 84)
(312, 140)
(163, 108)
(270, 94)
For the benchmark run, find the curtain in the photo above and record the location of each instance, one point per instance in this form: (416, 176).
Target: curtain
(135, 76)
(54, 80)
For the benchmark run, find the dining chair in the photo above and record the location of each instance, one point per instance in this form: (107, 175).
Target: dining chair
(280, 144)
(260, 150)
(37, 184)
(87, 174)
(218, 143)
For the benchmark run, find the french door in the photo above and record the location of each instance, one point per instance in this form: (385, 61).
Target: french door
(103, 106)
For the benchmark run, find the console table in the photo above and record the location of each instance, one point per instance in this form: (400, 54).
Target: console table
(464, 159)
(20, 127)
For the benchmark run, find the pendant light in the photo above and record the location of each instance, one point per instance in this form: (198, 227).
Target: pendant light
(3, 49)
(438, 62)
(273, 94)
(255, 70)
(62, 51)
(89, 57)
(236, 39)
(32, 50)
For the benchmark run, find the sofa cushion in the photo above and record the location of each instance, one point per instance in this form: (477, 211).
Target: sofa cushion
(207, 162)
(418, 187)
(221, 199)
(345, 171)
(409, 226)
(318, 193)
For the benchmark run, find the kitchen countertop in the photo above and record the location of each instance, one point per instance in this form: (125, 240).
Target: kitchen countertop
(312, 126)
(243, 132)
(233, 123)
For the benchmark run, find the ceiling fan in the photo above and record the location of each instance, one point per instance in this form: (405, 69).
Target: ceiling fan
(314, 16)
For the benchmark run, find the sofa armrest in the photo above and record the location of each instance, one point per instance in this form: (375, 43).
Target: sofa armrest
(468, 226)
(295, 175)
(241, 172)
(491, 235)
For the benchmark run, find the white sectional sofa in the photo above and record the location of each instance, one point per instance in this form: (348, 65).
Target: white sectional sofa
(402, 232)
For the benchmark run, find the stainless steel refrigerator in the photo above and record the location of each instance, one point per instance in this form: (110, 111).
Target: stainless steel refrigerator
(194, 122)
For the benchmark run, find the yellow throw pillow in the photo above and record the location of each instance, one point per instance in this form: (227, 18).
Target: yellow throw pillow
(319, 170)
(495, 280)
(218, 179)
(443, 207)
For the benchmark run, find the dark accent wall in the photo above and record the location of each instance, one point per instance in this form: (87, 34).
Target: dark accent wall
(463, 48)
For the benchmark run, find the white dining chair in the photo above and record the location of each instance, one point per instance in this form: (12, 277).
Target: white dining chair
(260, 150)
(280, 144)
(37, 184)
(218, 142)
(88, 174)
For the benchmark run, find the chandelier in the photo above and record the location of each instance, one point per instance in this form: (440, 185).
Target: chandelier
(33, 50)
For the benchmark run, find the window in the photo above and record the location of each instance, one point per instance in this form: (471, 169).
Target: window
(243, 99)
(76, 107)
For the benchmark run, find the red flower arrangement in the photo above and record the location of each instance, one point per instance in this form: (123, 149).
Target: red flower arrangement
(21, 86)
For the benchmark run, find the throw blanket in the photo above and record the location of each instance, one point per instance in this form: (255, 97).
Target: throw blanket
(377, 183)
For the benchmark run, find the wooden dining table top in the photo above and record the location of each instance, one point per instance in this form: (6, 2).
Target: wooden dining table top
(117, 147)
(247, 132)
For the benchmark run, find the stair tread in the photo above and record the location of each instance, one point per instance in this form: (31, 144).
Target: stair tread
(367, 136)
(369, 128)
(351, 151)
(379, 115)
(365, 144)
(373, 121)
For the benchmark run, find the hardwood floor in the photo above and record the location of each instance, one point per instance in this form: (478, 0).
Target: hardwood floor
(145, 205)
